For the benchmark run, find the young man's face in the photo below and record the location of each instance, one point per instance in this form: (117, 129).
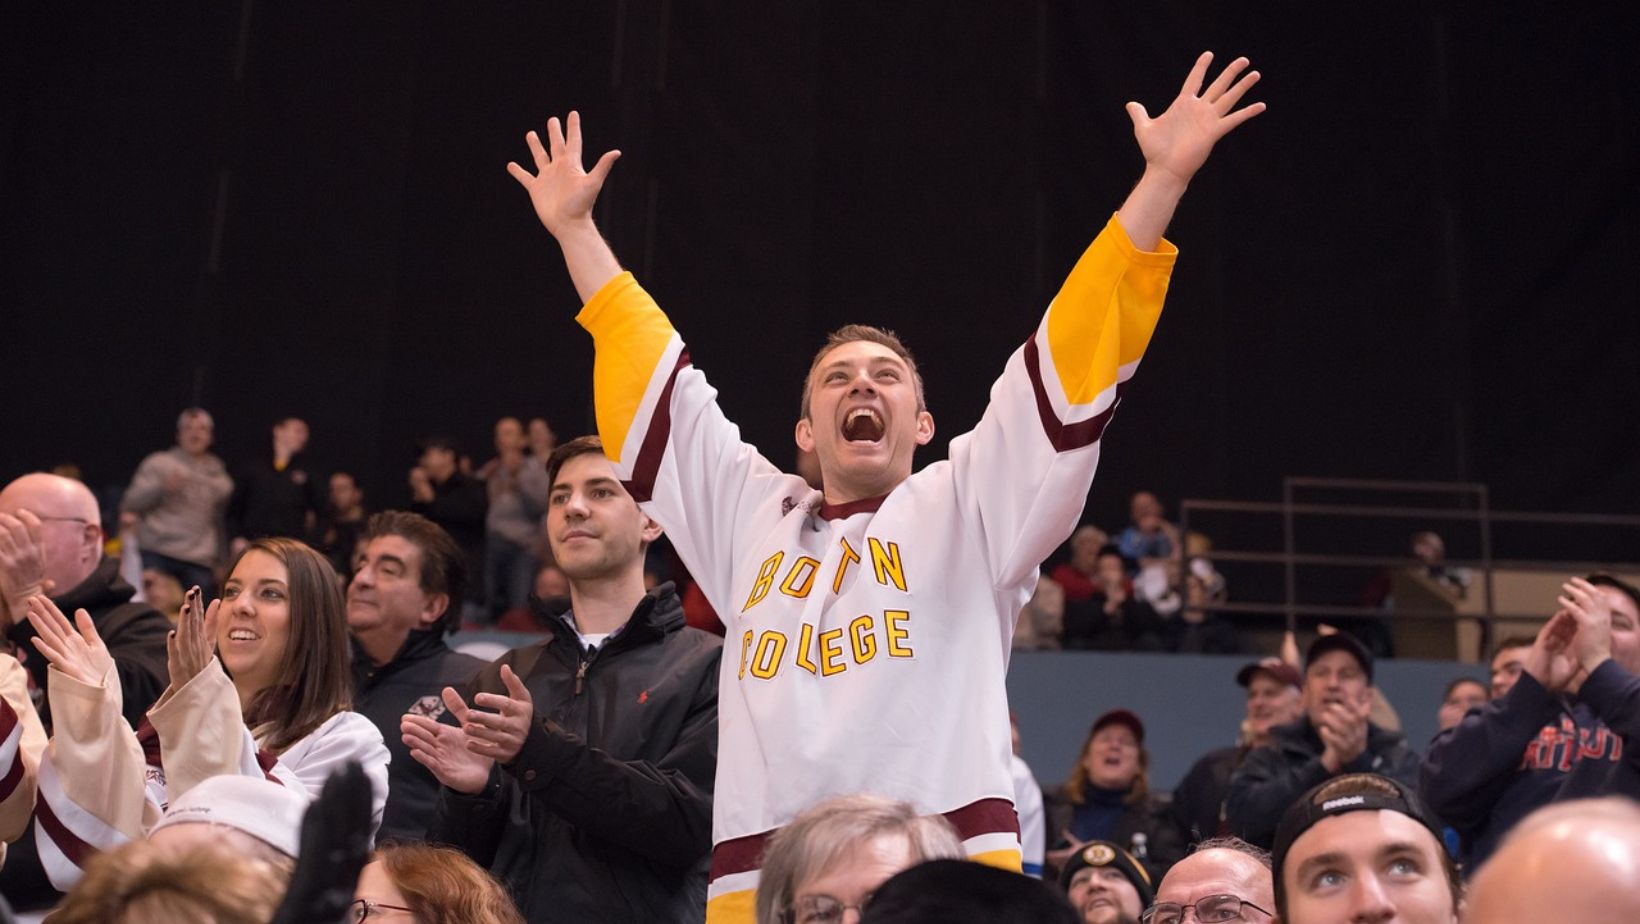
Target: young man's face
(863, 421)
(1506, 667)
(1625, 628)
(594, 526)
(1369, 865)
(1102, 895)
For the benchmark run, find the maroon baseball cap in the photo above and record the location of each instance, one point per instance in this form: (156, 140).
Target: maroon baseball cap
(1120, 717)
(1275, 667)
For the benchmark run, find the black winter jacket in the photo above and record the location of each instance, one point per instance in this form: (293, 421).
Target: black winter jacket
(411, 682)
(1273, 777)
(606, 812)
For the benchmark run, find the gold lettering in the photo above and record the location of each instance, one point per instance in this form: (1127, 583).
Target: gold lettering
(886, 563)
(802, 585)
(831, 652)
(863, 639)
(765, 580)
(849, 555)
(769, 649)
(745, 648)
(896, 635)
(805, 644)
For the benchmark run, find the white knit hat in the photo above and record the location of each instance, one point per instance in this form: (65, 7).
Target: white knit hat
(261, 808)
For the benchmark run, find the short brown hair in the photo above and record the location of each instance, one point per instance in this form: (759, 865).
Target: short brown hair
(580, 446)
(1512, 641)
(443, 886)
(855, 333)
(314, 681)
(443, 566)
(145, 883)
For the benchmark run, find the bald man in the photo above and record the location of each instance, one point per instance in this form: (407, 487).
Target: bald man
(51, 542)
(1225, 879)
(1574, 861)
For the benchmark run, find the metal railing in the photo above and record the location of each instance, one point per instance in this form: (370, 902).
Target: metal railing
(1478, 510)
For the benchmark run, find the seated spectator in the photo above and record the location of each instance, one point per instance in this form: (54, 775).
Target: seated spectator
(1109, 617)
(342, 524)
(256, 818)
(1462, 694)
(1150, 537)
(1508, 660)
(176, 501)
(549, 595)
(147, 883)
(1223, 879)
(1106, 884)
(1334, 736)
(403, 600)
(283, 714)
(1567, 729)
(962, 892)
(163, 592)
(1041, 622)
(1108, 798)
(1197, 629)
(830, 859)
(1273, 699)
(433, 885)
(276, 495)
(1079, 575)
(1575, 861)
(1359, 848)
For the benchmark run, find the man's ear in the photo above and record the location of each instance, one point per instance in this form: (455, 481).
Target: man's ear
(805, 435)
(433, 609)
(651, 531)
(925, 428)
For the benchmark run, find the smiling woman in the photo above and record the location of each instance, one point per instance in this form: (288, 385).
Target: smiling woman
(275, 706)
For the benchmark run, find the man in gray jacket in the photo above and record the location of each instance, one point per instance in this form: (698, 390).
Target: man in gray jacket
(176, 501)
(1333, 737)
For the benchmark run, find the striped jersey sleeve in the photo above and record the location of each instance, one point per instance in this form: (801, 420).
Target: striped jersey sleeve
(1025, 470)
(22, 742)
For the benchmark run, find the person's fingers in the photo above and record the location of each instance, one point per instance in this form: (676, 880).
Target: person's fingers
(46, 617)
(31, 526)
(515, 687)
(212, 623)
(1233, 95)
(538, 151)
(454, 703)
(1198, 74)
(555, 138)
(1136, 112)
(495, 703)
(572, 143)
(520, 174)
(600, 170)
(1226, 77)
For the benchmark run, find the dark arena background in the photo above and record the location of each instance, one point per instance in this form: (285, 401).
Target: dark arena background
(1419, 264)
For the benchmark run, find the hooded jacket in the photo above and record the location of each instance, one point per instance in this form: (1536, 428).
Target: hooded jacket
(606, 812)
(1273, 777)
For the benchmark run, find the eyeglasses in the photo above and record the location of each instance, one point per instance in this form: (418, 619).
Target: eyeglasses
(1210, 910)
(820, 909)
(363, 909)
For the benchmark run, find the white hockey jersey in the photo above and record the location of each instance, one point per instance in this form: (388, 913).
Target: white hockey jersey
(868, 643)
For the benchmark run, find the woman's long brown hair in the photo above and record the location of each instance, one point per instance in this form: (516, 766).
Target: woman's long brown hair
(314, 681)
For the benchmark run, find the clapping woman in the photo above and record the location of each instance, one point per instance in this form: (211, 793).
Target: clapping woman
(274, 704)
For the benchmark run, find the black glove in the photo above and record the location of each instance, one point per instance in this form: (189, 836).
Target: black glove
(335, 847)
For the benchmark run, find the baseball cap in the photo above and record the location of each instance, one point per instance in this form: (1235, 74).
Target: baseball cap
(965, 892)
(1340, 641)
(1120, 717)
(261, 808)
(1275, 667)
(1352, 792)
(1104, 853)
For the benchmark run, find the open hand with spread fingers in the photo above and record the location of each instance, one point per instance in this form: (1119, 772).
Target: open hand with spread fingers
(190, 647)
(1179, 140)
(443, 750)
(75, 649)
(561, 190)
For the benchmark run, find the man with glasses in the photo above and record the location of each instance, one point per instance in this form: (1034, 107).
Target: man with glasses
(51, 542)
(1224, 879)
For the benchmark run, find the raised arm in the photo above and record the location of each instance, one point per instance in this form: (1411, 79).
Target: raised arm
(563, 193)
(1177, 142)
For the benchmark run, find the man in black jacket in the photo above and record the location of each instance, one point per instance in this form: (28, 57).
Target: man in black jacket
(51, 542)
(456, 501)
(1274, 688)
(1569, 728)
(1333, 737)
(405, 596)
(582, 773)
(275, 495)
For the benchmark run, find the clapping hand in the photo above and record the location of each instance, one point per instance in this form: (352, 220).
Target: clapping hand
(497, 725)
(443, 750)
(76, 650)
(1550, 660)
(191, 645)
